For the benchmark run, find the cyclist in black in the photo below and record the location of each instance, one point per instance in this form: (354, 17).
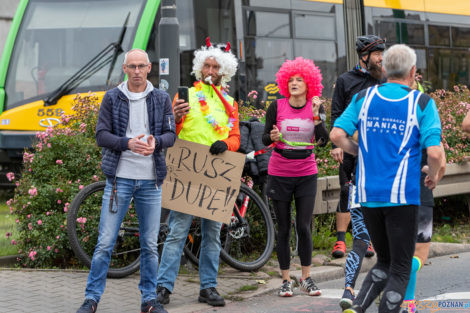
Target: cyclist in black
(367, 73)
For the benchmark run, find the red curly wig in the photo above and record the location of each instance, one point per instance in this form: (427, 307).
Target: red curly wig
(305, 68)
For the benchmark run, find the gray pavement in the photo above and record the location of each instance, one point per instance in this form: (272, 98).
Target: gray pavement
(51, 291)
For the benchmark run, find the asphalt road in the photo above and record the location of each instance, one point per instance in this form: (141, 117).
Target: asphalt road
(443, 278)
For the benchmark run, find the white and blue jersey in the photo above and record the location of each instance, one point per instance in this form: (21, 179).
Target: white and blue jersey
(394, 124)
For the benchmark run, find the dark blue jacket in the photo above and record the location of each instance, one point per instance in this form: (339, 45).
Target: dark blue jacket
(112, 124)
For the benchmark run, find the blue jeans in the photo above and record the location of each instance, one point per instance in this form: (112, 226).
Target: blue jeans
(147, 200)
(173, 248)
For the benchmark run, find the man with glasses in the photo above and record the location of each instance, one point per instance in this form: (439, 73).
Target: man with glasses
(135, 124)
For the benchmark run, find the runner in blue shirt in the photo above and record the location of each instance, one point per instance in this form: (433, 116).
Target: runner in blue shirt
(394, 124)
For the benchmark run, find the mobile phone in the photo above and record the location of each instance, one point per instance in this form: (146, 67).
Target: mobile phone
(183, 93)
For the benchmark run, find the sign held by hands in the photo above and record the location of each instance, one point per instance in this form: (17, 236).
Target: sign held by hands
(201, 184)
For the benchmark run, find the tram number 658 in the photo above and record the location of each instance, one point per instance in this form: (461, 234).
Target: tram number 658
(50, 112)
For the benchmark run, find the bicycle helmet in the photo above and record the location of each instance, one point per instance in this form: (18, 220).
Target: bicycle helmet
(369, 43)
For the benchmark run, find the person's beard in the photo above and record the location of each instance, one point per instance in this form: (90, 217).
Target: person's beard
(375, 70)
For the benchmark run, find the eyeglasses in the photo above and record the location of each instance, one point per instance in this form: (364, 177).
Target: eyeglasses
(133, 66)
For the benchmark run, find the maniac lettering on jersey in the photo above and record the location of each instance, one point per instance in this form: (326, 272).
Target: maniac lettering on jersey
(385, 124)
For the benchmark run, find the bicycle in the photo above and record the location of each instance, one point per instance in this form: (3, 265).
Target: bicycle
(247, 241)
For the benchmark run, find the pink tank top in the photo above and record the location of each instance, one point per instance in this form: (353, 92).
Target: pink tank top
(295, 125)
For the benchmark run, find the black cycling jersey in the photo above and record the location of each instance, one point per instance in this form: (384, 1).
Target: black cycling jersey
(347, 85)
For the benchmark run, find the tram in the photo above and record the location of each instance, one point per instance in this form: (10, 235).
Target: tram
(58, 48)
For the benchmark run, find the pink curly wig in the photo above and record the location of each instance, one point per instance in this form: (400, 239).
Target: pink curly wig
(305, 68)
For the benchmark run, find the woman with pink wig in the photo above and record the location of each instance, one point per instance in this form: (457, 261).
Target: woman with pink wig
(293, 123)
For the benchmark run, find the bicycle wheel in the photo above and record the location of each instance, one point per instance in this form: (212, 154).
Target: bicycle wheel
(247, 244)
(82, 227)
(192, 247)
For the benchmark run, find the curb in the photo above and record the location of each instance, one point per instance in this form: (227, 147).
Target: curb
(335, 269)
(8, 260)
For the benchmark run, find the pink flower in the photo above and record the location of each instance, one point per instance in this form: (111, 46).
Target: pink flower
(48, 248)
(9, 202)
(57, 237)
(58, 190)
(59, 201)
(17, 221)
(30, 226)
(28, 157)
(80, 187)
(60, 162)
(49, 145)
(95, 178)
(33, 191)
(10, 176)
(32, 254)
(28, 216)
(81, 220)
(13, 242)
(66, 208)
(39, 222)
(8, 234)
(11, 210)
(48, 213)
(56, 250)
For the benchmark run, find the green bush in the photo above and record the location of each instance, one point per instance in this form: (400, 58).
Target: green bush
(64, 160)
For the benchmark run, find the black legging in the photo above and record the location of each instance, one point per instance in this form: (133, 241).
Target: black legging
(303, 217)
(393, 233)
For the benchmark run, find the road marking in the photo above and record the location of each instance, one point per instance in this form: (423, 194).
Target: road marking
(451, 296)
(332, 293)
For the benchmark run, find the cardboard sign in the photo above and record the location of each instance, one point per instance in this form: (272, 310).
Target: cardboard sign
(201, 184)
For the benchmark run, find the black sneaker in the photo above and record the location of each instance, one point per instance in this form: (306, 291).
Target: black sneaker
(347, 300)
(211, 297)
(287, 289)
(163, 295)
(308, 285)
(88, 306)
(152, 306)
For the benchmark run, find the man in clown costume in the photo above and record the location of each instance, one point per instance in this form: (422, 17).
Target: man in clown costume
(210, 118)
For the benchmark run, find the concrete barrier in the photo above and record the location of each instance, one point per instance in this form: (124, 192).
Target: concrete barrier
(456, 181)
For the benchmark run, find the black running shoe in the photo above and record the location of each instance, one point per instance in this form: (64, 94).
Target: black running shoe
(88, 306)
(152, 306)
(308, 285)
(347, 299)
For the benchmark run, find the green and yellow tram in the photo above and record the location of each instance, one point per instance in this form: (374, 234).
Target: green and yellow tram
(57, 48)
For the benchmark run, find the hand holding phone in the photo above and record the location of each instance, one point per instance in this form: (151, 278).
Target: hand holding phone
(183, 93)
(181, 107)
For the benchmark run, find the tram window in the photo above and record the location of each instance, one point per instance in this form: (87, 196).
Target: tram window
(460, 37)
(268, 24)
(323, 53)
(390, 31)
(439, 35)
(314, 26)
(412, 34)
(448, 67)
(264, 57)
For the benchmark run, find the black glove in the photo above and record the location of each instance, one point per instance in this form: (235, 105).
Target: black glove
(218, 147)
